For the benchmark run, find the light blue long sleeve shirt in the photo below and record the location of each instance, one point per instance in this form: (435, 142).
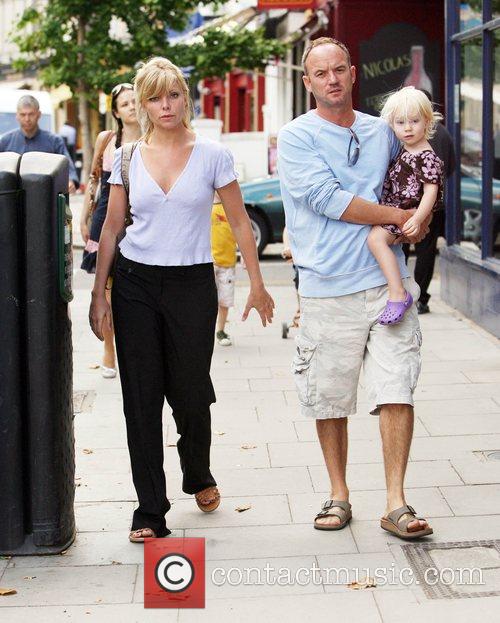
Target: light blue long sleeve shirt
(317, 185)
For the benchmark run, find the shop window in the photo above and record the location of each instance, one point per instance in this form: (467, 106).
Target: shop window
(495, 215)
(471, 115)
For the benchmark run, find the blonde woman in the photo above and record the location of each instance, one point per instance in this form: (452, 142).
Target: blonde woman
(123, 111)
(164, 294)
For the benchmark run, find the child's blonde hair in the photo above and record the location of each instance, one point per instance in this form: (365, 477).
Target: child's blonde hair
(155, 78)
(410, 101)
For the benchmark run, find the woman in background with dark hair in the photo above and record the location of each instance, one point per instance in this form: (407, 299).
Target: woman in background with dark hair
(123, 110)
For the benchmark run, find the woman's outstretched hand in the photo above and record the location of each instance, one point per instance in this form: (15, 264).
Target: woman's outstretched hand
(260, 299)
(99, 313)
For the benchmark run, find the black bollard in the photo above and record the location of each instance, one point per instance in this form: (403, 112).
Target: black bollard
(44, 481)
(12, 484)
(49, 357)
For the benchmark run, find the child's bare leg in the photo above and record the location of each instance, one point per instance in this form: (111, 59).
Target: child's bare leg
(379, 242)
(222, 317)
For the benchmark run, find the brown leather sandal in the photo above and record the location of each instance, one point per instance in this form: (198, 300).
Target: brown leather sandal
(399, 527)
(138, 536)
(343, 512)
(208, 507)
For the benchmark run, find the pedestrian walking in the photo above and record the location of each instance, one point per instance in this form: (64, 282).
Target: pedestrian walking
(164, 295)
(426, 249)
(332, 162)
(68, 133)
(224, 254)
(95, 208)
(30, 137)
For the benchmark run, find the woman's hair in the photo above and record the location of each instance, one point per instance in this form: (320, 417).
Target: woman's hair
(410, 101)
(155, 78)
(115, 94)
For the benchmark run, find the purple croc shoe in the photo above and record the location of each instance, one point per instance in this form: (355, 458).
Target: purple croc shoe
(395, 310)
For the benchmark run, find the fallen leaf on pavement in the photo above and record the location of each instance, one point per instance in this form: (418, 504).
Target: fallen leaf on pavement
(219, 432)
(29, 577)
(366, 583)
(8, 591)
(247, 446)
(94, 366)
(240, 509)
(88, 451)
(116, 562)
(171, 445)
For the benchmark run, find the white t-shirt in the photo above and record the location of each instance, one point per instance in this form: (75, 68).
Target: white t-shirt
(173, 229)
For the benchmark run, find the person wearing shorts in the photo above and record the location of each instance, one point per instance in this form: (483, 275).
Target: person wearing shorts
(332, 162)
(224, 254)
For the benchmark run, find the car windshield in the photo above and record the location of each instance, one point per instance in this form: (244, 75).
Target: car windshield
(9, 122)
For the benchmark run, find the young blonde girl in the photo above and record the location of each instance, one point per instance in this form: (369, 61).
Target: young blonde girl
(414, 181)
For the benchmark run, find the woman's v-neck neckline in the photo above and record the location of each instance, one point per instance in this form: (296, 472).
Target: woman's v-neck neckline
(181, 174)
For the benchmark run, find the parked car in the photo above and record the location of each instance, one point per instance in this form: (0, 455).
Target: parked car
(264, 206)
(471, 184)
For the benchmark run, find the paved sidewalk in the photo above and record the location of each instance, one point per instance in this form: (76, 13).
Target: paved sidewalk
(281, 475)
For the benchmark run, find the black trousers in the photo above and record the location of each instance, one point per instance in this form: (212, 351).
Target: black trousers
(425, 252)
(164, 319)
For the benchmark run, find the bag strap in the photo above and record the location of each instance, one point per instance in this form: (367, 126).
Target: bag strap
(98, 168)
(127, 152)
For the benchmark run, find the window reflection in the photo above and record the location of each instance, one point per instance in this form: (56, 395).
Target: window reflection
(471, 102)
(471, 14)
(496, 150)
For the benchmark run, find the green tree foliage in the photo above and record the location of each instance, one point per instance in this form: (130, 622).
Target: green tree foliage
(217, 52)
(69, 42)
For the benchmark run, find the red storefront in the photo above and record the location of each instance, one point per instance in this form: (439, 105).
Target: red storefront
(392, 42)
(237, 101)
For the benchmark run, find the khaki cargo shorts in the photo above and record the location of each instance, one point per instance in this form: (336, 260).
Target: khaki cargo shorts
(340, 334)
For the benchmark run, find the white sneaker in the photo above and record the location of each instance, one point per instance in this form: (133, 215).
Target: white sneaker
(223, 338)
(108, 373)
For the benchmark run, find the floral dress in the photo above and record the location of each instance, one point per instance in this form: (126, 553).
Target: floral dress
(405, 179)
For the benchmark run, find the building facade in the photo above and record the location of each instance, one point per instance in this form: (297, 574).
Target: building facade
(470, 263)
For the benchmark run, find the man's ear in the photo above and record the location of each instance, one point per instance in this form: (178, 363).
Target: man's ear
(307, 83)
(353, 74)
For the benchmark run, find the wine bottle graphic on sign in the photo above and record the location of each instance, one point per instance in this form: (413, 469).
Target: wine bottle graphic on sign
(417, 77)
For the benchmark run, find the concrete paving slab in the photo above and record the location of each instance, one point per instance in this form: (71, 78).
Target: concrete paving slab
(293, 609)
(272, 541)
(397, 606)
(264, 510)
(103, 516)
(473, 500)
(125, 613)
(69, 585)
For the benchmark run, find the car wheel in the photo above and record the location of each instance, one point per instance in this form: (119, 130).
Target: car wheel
(259, 228)
(472, 225)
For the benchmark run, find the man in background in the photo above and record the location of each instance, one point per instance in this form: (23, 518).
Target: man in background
(68, 133)
(30, 137)
(426, 250)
